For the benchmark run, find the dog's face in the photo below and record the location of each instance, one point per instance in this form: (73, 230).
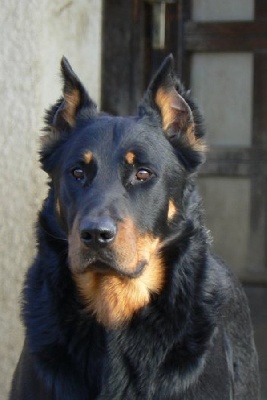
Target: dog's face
(118, 184)
(115, 180)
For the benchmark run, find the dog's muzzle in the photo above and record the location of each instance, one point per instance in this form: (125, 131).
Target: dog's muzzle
(108, 246)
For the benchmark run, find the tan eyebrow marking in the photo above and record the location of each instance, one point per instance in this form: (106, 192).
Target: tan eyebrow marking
(88, 157)
(130, 157)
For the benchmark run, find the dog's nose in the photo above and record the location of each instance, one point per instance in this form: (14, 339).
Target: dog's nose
(98, 232)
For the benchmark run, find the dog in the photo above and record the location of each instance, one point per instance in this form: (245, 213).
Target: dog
(125, 299)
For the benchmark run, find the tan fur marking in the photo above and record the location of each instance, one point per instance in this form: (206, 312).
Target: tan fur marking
(125, 246)
(174, 109)
(196, 144)
(130, 157)
(163, 101)
(113, 298)
(88, 157)
(172, 210)
(72, 101)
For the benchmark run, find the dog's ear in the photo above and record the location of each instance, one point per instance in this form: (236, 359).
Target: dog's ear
(179, 117)
(75, 98)
(61, 118)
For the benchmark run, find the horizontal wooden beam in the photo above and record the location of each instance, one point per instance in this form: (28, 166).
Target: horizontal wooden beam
(253, 278)
(237, 162)
(225, 36)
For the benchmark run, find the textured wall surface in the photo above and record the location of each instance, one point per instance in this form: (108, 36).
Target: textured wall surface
(34, 34)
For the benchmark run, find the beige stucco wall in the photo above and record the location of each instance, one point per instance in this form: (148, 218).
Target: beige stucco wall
(34, 34)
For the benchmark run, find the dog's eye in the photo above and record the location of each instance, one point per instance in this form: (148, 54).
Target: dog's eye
(78, 174)
(143, 175)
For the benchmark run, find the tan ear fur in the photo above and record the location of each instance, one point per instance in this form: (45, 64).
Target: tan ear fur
(72, 100)
(173, 108)
(177, 115)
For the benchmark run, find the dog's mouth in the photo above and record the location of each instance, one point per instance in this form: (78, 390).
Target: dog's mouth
(111, 268)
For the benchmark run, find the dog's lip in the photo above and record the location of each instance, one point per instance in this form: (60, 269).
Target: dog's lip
(103, 267)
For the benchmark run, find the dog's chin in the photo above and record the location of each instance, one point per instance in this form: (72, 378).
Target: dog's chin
(104, 268)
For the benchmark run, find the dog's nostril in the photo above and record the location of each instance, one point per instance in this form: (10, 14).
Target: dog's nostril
(106, 236)
(86, 236)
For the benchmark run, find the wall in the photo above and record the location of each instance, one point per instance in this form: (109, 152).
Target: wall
(227, 78)
(34, 35)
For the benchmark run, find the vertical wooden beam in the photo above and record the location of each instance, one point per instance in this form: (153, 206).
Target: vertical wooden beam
(258, 261)
(123, 55)
(260, 10)
(155, 56)
(184, 57)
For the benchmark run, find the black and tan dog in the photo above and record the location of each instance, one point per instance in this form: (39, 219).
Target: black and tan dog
(125, 299)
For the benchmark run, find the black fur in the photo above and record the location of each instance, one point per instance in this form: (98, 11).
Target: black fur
(193, 340)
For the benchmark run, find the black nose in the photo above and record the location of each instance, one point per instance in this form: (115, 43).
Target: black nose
(97, 232)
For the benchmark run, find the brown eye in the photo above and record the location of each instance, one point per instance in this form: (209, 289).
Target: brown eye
(78, 174)
(143, 175)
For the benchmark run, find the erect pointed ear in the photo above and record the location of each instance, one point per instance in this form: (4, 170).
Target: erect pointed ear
(75, 98)
(179, 117)
(62, 116)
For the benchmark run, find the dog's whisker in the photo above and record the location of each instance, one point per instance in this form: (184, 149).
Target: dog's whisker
(53, 236)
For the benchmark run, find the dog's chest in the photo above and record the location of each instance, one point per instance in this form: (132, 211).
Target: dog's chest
(153, 367)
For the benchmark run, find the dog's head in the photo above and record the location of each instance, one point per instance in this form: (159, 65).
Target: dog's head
(118, 186)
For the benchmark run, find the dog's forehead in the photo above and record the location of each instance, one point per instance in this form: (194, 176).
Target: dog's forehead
(117, 136)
